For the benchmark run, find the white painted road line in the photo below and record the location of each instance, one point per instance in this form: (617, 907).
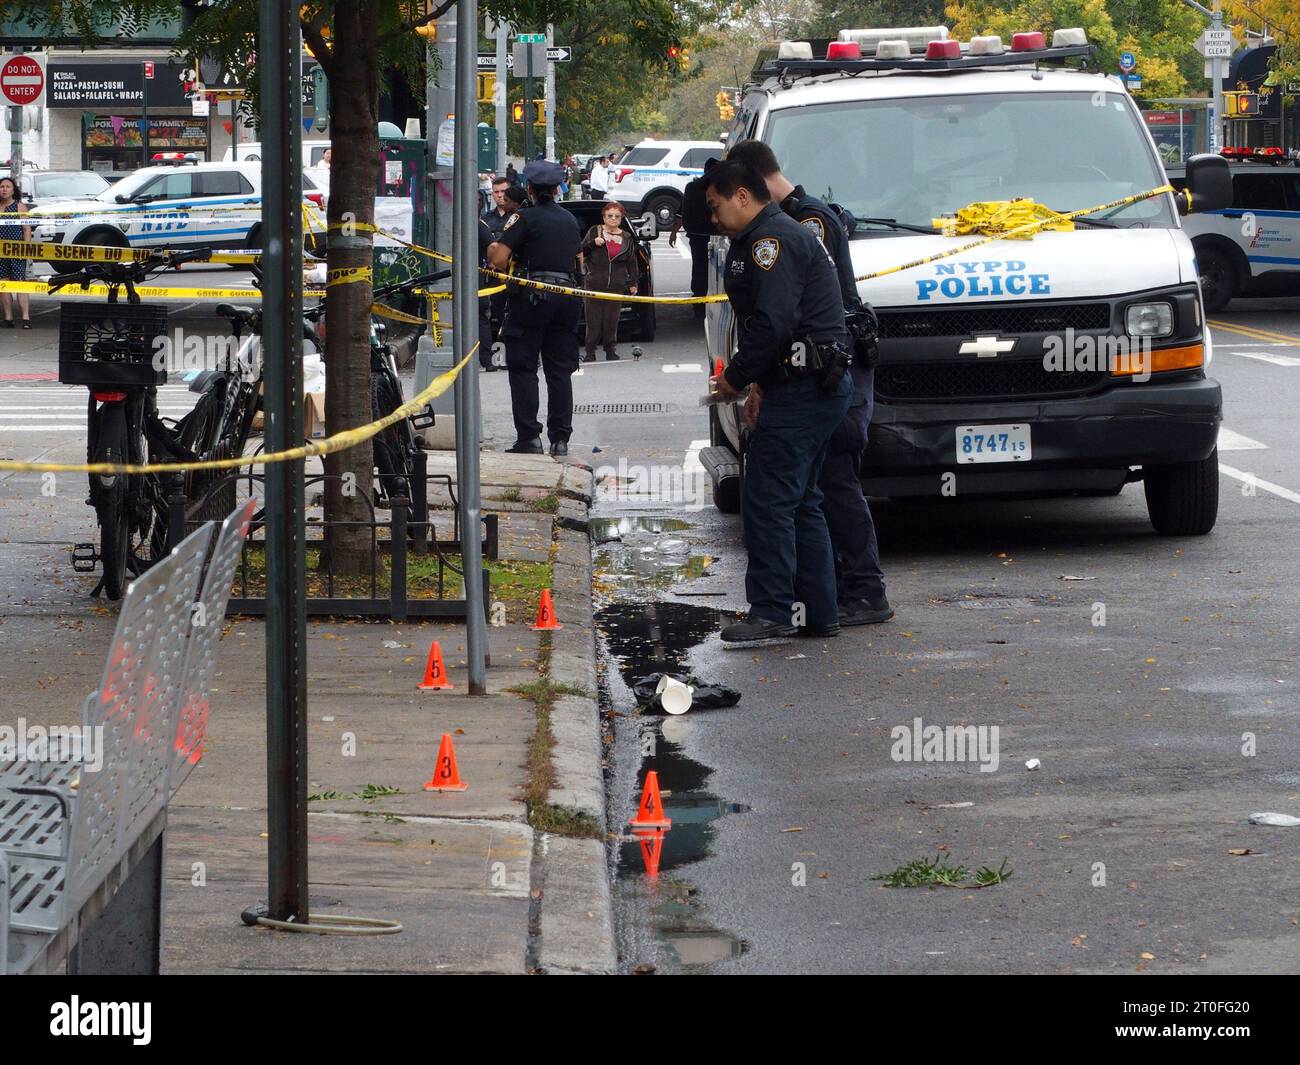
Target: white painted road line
(1262, 356)
(1230, 441)
(42, 428)
(1268, 486)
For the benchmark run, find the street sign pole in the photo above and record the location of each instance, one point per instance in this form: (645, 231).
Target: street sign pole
(1216, 123)
(501, 98)
(465, 313)
(279, 49)
(550, 94)
(528, 107)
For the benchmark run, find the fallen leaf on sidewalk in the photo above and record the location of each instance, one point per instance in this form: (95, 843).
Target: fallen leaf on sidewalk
(536, 893)
(792, 830)
(1239, 852)
(1077, 941)
(1146, 955)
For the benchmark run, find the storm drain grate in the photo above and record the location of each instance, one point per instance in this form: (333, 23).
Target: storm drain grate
(618, 408)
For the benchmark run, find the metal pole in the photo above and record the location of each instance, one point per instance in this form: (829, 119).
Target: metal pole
(550, 94)
(466, 318)
(1216, 127)
(528, 108)
(502, 97)
(16, 123)
(144, 118)
(286, 558)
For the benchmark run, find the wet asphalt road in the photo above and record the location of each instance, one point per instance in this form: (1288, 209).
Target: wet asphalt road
(785, 805)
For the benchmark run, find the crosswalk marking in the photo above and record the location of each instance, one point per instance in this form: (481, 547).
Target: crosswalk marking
(1263, 356)
(1268, 486)
(51, 408)
(1230, 441)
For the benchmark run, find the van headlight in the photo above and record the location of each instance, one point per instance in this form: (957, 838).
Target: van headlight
(1149, 320)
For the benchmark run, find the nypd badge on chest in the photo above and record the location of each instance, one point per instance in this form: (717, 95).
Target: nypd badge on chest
(766, 251)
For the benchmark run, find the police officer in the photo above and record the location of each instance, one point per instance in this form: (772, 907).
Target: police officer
(544, 241)
(860, 583)
(794, 345)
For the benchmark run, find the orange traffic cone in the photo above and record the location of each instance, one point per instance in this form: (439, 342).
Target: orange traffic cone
(652, 848)
(650, 812)
(546, 613)
(435, 674)
(446, 777)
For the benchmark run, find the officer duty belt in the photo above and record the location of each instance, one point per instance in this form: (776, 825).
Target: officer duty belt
(550, 277)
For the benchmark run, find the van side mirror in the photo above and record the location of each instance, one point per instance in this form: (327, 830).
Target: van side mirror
(1209, 183)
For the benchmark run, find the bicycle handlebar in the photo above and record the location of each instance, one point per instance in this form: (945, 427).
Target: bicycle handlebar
(411, 283)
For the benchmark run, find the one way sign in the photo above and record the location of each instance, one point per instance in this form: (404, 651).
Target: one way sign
(554, 54)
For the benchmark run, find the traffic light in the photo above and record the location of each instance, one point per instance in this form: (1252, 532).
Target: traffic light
(675, 50)
(487, 88)
(536, 112)
(539, 112)
(517, 112)
(726, 111)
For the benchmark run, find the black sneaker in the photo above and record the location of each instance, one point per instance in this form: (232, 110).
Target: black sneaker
(818, 632)
(559, 448)
(865, 611)
(611, 356)
(525, 447)
(756, 629)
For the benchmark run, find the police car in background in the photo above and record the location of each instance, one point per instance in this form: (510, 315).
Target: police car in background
(180, 204)
(1251, 247)
(650, 178)
(1072, 363)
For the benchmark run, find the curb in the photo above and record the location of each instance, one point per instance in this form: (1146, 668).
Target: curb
(577, 915)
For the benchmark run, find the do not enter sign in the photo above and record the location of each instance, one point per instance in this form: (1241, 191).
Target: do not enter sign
(22, 80)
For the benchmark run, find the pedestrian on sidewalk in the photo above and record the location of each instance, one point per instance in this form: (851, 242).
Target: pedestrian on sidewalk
(610, 258)
(599, 180)
(11, 204)
(860, 582)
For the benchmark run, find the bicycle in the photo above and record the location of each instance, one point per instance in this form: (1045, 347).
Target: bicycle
(395, 448)
(114, 354)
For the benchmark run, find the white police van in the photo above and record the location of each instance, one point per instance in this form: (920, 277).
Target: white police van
(1071, 363)
(650, 178)
(1252, 246)
(181, 204)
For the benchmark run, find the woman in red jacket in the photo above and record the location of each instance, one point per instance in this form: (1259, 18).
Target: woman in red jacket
(609, 253)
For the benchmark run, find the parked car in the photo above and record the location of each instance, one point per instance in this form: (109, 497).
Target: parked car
(180, 205)
(636, 321)
(42, 185)
(1252, 247)
(650, 178)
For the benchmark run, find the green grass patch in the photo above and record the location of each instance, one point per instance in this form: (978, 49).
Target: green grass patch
(547, 504)
(542, 815)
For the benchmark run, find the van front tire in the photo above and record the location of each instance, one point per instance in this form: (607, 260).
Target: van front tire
(1183, 499)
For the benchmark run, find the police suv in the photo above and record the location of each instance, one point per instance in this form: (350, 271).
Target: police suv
(1252, 246)
(1070, 363)
(180, 204)
(650, 178)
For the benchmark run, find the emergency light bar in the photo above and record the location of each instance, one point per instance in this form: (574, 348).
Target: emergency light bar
(924, 49)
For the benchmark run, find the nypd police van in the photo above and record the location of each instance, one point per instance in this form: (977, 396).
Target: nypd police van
(1074, 362)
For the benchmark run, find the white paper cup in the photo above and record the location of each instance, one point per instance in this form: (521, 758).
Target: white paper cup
(674, 696)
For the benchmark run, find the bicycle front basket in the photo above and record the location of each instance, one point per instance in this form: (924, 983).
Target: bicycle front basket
(108, 344)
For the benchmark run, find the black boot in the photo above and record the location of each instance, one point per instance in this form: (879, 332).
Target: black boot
(753, 629)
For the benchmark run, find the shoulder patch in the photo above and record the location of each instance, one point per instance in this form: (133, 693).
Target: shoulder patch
(815, 224)
(766, 251)
(510, 221)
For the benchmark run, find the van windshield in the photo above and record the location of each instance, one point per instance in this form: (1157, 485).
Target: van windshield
(915, 159)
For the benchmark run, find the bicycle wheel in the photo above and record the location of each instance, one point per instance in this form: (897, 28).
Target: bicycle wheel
(391, 458)
(110, 497)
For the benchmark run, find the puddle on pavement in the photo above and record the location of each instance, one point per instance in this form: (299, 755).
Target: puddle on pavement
(660, 914)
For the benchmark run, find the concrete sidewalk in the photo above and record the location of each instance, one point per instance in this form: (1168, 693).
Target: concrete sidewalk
(476, 888)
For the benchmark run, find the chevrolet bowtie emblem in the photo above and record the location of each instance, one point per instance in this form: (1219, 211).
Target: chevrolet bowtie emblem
(986, 347)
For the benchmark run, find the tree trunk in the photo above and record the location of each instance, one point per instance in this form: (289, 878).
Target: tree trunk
(354, 138)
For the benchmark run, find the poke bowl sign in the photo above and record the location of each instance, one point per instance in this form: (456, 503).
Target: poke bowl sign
(22, 80)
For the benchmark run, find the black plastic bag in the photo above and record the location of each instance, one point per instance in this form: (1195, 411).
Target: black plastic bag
(706, 697)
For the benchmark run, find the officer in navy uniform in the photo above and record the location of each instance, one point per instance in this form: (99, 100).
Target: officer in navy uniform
(544, 241)
(860, 583)
(794, 345)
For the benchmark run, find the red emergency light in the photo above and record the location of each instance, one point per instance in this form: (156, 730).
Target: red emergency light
(1027, 42)
(945, 49)
(843, 50)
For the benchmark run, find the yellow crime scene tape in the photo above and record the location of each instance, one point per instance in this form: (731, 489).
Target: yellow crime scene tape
(46, 251)
(153, 292)
(349, 438)
(348, 275)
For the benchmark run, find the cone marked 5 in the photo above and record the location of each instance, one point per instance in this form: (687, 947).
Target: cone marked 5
(435, 674)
